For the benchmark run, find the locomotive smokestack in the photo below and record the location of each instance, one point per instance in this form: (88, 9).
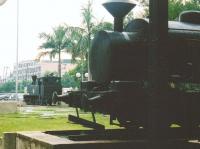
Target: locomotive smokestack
(119, 9)
(34, 78)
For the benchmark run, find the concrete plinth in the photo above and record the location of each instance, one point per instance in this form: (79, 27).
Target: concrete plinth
(9, 141)
(41, 140)
(1, 143)
(8, 107)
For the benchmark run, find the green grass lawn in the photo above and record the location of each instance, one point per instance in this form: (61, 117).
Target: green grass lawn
(35, 120)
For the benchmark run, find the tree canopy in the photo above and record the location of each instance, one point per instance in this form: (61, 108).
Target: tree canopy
(54, 43)
(177, 6)
(77, 40)
(81, 36)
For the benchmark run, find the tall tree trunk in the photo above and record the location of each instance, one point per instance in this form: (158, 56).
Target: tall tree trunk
(59, 63)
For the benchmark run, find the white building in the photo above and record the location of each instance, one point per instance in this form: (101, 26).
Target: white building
(26, 69)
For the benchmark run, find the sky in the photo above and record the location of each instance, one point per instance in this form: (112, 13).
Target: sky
(36, 16)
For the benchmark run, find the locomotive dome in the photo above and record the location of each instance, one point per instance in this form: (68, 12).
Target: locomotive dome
(190, 17)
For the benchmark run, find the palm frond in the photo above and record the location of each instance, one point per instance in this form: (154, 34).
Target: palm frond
(41, 54)
(44, 36)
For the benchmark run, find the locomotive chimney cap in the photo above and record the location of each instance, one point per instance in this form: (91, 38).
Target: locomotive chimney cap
(119, 8)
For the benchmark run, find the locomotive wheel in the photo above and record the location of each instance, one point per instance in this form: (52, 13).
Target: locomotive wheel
(125, 123)
(49, 102)
(128, 122)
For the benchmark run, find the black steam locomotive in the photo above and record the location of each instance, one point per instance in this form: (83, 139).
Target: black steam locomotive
(119, 66)
(40, 91)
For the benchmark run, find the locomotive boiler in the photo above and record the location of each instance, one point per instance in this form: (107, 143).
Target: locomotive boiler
(119, 71)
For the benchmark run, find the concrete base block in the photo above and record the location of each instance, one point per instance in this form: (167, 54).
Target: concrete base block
(1, 143)
(9, 141)
(41, 140)
(8, 107)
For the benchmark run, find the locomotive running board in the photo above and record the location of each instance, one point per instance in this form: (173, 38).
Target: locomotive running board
(86, 123)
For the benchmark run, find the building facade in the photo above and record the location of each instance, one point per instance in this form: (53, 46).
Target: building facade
(26, 69)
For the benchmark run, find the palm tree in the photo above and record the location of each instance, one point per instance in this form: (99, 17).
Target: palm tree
(77, 44)
(81, 36)
(54, 43)
(87, 14)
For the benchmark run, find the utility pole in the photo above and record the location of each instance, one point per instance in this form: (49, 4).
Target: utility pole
(17, 50)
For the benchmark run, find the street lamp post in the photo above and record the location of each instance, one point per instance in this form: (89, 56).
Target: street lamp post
(17, 51)
(78, 75)
(81, 75)
(1, 3)
(86, 75)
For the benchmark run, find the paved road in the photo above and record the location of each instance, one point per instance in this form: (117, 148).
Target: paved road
(11, 96)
